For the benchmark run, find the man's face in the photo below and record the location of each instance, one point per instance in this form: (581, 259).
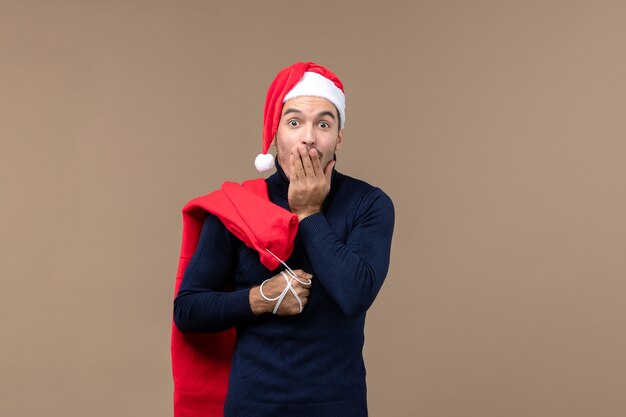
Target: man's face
(309, 121)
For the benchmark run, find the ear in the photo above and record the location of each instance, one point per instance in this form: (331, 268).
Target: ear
(339, 139)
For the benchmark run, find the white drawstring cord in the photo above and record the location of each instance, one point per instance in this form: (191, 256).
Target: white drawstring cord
(290, 272)
(282, 295)
(289, 276)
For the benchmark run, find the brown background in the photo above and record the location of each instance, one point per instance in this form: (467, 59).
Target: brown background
(497, 128)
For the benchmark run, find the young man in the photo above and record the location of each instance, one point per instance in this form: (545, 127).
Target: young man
(306, 358)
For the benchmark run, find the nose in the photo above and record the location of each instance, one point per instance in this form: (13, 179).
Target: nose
(309, 136)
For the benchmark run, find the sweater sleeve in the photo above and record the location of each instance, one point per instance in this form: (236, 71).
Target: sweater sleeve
(353, 272)
(202, 303)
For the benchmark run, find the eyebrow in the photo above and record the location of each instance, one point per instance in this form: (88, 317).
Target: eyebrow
(293, 110)
(327, 113)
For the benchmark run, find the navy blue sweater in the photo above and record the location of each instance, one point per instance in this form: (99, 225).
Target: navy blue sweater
(309, 364)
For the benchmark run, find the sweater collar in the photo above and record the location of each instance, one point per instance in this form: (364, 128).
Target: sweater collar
(279, 179)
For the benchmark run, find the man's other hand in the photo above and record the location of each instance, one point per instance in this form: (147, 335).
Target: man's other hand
(273, 287)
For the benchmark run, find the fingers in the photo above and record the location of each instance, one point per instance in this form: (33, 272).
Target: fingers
(297, 169)
(304, 297)
(302, 274)
(305, 163)
(316, 163)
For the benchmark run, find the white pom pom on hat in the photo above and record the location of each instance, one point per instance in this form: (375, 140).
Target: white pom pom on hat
(264, 162)
(299, 79)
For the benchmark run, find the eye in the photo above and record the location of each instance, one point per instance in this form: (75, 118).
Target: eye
(324, 125)
(293, 123)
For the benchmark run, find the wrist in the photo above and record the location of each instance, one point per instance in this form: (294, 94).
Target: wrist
(257, 304)
(303, 216)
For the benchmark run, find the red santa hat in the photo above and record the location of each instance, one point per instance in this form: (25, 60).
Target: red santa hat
(299, 79)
